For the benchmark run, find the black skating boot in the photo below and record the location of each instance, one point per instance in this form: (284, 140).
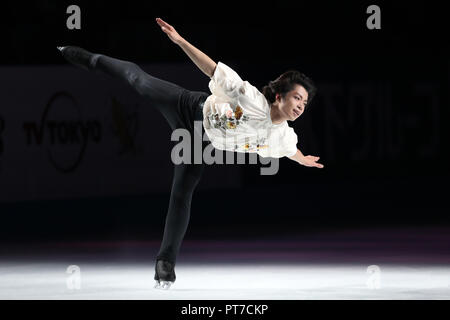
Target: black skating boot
(78, 56)
(164, 274)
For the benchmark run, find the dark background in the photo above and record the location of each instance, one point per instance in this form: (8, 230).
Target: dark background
(385, 167)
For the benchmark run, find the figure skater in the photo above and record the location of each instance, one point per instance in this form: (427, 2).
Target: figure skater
(235, 109)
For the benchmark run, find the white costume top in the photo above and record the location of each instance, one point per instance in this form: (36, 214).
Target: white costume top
(236, 117)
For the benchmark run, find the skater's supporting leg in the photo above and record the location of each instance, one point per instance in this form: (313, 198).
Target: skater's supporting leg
(186, 177)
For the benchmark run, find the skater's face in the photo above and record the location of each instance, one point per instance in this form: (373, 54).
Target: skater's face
(292, 105)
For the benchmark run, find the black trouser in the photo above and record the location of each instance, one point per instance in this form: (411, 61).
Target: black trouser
(180, 107)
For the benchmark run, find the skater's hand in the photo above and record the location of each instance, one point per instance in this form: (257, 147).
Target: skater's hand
(169, 30)
(311, 161)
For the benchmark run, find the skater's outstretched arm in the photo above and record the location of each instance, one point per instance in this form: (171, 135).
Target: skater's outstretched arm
(308, 161)
(203, 62)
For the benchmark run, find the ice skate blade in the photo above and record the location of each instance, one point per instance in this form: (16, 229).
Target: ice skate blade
(163, 285)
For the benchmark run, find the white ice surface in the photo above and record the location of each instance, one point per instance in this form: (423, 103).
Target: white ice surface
(294, 281)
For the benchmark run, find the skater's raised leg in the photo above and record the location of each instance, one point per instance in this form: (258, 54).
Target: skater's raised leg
(161, 94)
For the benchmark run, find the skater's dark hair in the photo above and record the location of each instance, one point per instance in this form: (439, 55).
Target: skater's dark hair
(286, 82)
